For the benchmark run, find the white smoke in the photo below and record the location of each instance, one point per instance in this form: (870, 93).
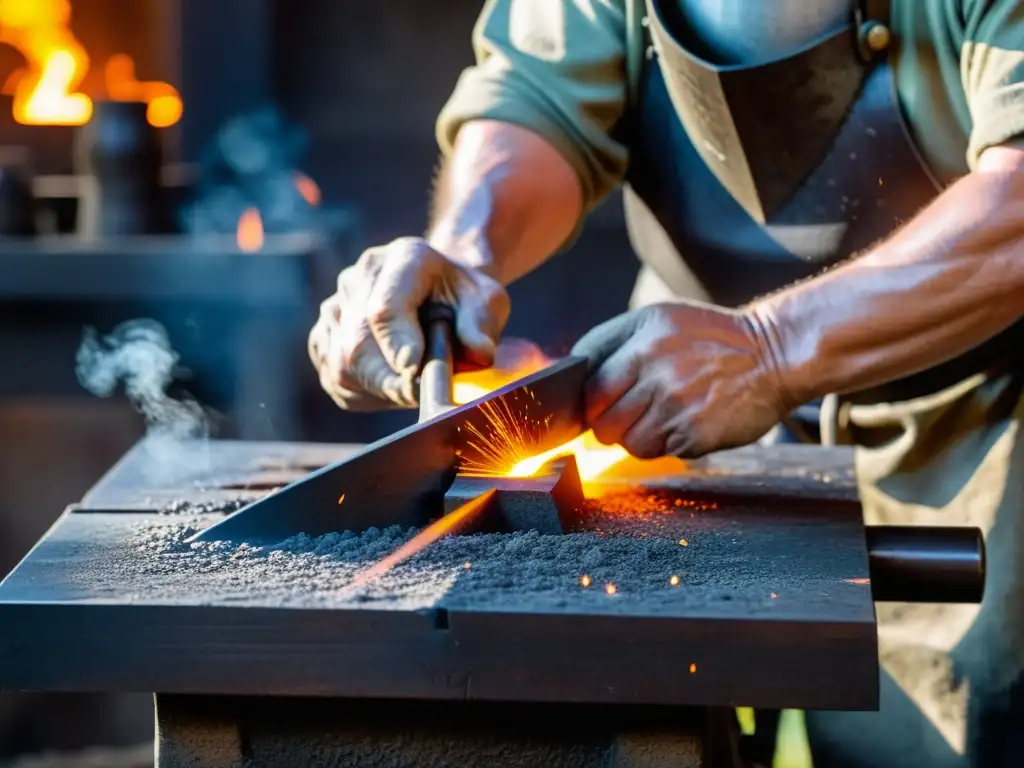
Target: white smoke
(138, 354)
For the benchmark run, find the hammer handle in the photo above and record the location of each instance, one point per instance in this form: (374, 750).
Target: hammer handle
(436, 395)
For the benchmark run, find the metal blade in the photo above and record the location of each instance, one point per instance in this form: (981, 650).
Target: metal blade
(402, 479)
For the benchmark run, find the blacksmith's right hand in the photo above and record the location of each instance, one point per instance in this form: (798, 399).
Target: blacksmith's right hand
(367, 345)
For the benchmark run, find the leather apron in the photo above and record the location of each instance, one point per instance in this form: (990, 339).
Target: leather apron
(745, 179)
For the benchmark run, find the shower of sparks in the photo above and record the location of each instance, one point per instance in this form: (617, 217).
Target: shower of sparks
(450, 523)
(506, 445)
(500, 444)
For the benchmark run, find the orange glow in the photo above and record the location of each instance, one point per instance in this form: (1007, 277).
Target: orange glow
(163, 104)
(693, 668)
(308, 189)
(341, 498)
(45, 88)
(594, 460)
(448, 524)
(684, 543)
(250, 231)
(610, 589)
(858, 582)
(585, 581)
(674, 581)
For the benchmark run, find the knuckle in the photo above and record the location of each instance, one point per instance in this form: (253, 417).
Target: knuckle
(644, 445)
(350, 277)
(604, 432)
(495, 297)
(379, 313)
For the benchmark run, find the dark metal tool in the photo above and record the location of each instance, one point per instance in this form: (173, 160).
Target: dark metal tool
(402, 479)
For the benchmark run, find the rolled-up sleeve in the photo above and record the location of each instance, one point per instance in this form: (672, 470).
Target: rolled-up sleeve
(992, 71)
(554, 67)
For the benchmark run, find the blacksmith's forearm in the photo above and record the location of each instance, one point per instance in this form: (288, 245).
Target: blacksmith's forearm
(949, 280)
(505, 200)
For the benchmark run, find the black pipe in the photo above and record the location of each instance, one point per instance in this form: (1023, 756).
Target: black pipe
(919, 564)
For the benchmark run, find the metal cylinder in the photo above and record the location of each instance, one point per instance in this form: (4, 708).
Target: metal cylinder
(438, 360)
(118, 154)
(920, 564)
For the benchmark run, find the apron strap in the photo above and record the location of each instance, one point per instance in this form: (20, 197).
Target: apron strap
(636, 45)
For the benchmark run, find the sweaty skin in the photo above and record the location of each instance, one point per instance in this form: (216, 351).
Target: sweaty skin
(505, 201)
(687, 379)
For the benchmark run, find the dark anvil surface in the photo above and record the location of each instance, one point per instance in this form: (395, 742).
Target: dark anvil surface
(770, 609)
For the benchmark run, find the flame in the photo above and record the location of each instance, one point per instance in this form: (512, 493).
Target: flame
(445, 525)
(45, 89)
(250, 231)
(163, 104)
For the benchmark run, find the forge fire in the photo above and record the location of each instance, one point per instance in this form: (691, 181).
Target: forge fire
(45, 88)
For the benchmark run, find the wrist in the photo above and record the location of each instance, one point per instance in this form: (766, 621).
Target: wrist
(469, 248)
(774, 344)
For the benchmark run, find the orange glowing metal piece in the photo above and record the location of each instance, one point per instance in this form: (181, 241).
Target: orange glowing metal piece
(308, 189)
(674, 581)
(610, 589)
(250, 231)
(437, 530)
(684, 543)
(45, 88)
(341, 498)
(585, 581)
(693, 668)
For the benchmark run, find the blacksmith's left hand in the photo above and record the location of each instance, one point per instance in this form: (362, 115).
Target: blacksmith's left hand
(680, 379)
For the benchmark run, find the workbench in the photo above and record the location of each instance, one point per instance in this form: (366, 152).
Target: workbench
(772, 608)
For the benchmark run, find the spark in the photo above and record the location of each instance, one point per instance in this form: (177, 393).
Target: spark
(450, 523)
(684, 543)
(693, 668)
(585, 581)
(858, 582)
(341, 498)
(610, 589)
(674, 581)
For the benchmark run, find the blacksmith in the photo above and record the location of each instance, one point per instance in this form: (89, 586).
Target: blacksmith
(828, 202)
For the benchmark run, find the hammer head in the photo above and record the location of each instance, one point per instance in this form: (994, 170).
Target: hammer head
(546, 502)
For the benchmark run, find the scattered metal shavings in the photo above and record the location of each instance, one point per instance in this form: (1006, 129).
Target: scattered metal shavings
(221, 507)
